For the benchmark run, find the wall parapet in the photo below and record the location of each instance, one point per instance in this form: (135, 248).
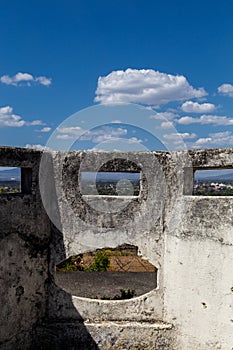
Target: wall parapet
(189, 239)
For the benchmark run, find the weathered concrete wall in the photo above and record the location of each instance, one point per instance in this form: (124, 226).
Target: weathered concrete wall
(24, 234)
(188, 238)
(89, 223)
(198, 260)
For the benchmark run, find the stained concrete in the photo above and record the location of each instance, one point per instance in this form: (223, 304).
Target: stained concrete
(189, 239)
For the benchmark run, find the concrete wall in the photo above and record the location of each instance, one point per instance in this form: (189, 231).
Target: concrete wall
(198, 260)
(188, 238)
(25, 235)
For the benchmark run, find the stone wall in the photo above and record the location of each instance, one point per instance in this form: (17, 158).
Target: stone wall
(25, 235)
(188, 239)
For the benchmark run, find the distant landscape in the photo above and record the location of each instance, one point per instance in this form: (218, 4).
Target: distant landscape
(213, 182)
(10, 180)
(110, 183)
(206, 182)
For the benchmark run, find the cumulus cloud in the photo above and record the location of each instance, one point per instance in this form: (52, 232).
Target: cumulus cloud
(163, 115)
(35, 122)
(45, 129)
(216, 120)
(217, 139)
(25, 79)
(195, 107)
(103, 134)
(117, 144)
(65, 137)
(203, 141)
(37, 147)
(226, 90)
(166, 125)
(144, 86)
(69, 132)
(98, 135)
(43, 80)
(129, 141)
(175, 136)
(9, 119)
(187, 120)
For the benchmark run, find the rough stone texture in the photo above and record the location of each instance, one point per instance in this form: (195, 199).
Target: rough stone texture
(24, 235)
(189, 239)
(107, 335)
(132, 335)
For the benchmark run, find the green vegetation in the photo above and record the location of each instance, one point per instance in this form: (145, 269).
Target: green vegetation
(9, 187)
(125, 294)
(101, 263)
(74, 263)
(98, 260)
(68, 266)
(118, 252)
(215, 193)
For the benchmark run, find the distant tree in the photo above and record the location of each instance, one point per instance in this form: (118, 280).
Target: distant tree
(101, 263)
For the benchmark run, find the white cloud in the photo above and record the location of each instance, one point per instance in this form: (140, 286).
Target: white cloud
(216, 120)
(203, 141)
(117, 144)
(70, 130)
(167, 118)
(35, 122)
(25, 79)
(129, 141)
(226, 90)
(195, 107)
(221, 134)
(65, 137)
(134, 140)
(218, 139)
(163, 115)
(212, 140)
(144, 86)
(167, 125)
(95, 149)
(175, 136)
(45, 129)
(44, 81)
(9, 119)
(187, 120)
(105, 133)
(98, 135)
(37, 147)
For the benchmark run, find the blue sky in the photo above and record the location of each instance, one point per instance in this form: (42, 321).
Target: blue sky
(175, 58)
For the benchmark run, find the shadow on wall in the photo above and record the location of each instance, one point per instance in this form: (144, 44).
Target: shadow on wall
(59, 331)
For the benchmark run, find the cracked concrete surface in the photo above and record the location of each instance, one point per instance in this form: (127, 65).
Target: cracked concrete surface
(189, 239)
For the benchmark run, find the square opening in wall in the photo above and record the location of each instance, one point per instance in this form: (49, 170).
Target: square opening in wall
(213, 182)
(15, 180)
(10, 180)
